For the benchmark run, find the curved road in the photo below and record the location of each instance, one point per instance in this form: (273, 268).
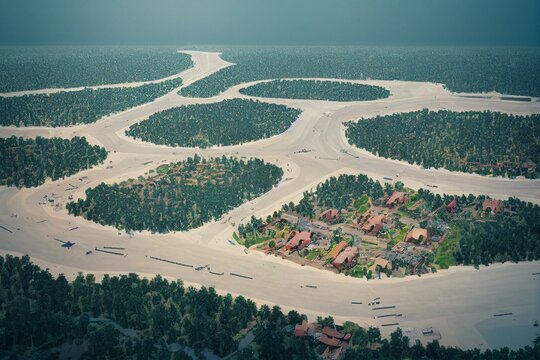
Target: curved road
(460, 302)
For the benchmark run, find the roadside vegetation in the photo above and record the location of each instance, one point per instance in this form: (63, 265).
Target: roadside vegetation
(128, 317)
(29, 162)
(487, 143)
(182, 196)
(376, 225)
(506, 70)
(32, 68)
(316, 90)
(228, 122)
(77, 107)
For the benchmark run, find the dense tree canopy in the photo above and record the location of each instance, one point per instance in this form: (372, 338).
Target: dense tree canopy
(482, 142)
(506, 70)
(30, 68)
(229, 122)
(181, 196)
(76, 107)
(29, 162)
(316, 90)
(126, 317)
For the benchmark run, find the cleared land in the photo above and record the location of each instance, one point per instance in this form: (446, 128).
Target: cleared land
(316, 90)
(454, 301)
(229, 122)
(479, 142)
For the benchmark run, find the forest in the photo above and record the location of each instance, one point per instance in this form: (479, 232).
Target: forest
(31, 68)
(128, 317)
(29, 162)
(487, 143)
(180, 196)
(505, 70)
(229, 122)
(316, 90)
(78, 107)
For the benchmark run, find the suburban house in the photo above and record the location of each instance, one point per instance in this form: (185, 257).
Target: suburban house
(301, 329)
(346, 257)
(382, 262)
(374, 222)
(330, 215)
(298, 240)
(336, 342)
(397, 197)
(452, 206)
(494, 206)
(417, 235)
(336, 249)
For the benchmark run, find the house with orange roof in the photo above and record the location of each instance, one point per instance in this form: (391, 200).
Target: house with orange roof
(373, 222)
(397, 198)
(492, 205)
(346, 257)
(301, 329)
(417, 234)
(298, 240)
(330, 215)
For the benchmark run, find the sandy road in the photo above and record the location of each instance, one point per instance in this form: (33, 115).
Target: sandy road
(459, 302)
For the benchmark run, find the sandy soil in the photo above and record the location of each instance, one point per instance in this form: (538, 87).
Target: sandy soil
(459, 302)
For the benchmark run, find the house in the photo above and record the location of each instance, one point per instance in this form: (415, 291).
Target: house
(494, 206)
(397, 197)
(382, 262)
(346, 257)
(417, 235)
(373, 221)
(298, 240)
(301, 329)
(330, 215)
(452, 206)
(336, 249)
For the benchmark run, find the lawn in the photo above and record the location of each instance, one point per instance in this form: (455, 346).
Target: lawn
(444, 255)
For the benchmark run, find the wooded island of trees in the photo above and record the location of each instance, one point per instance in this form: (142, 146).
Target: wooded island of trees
(78, 107)
(316, 90)
(29, 162)
(31, 68)
(228, 122)
(126, 317)
(506, 70)
(180, 196)
(488, 143)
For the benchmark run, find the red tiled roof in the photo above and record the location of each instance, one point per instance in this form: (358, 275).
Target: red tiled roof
(373, 221)
(330, 214)
(416, 233)
(326, 340)
(299, 240)
(346, 256)
(327, 330)
(301, 329)
(493, 205)
(396, 196)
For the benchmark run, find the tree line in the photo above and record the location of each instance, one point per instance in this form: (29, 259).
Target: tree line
(31, 68)
(78, 107)
(505, 70)
(228, 122)
(488, 143)
(29, 162)
(316, 90)
(185, 196)
(40, 313)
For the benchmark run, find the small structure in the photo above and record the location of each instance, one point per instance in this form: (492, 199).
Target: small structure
(336, 342)
(330, 215)
(336, 250)
(301, 329)
(373, 221)
(397, 197)
(494, 206)
(382, 262)
(452, 206)
(417, 235)
(346, 257)
(291, 219)
(298, 240)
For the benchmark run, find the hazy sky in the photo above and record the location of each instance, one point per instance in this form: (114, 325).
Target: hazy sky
(261, 22)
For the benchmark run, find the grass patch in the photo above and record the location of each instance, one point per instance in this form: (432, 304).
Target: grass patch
(313, 254)
(256, 240)
(163, 169)
(444, 256)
